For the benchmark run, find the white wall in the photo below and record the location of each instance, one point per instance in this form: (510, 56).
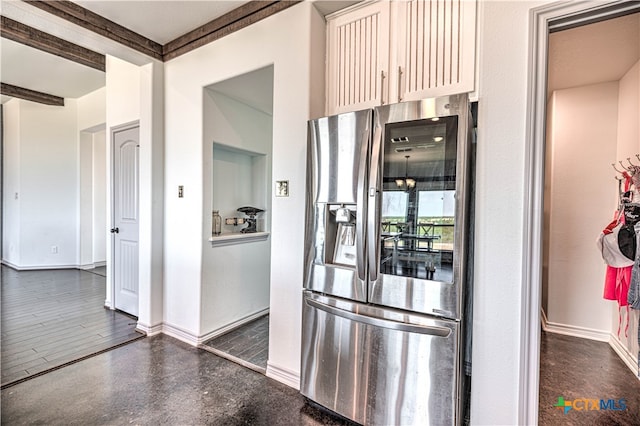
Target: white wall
(92, 110)
(582, 200)
(628, 146)
(99, 197)
(151, 225)
(85, 247)
(11, 180)
(49, 190)
(503, 38)
(285, 41)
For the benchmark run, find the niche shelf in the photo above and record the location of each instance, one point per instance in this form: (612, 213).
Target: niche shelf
(237, 238)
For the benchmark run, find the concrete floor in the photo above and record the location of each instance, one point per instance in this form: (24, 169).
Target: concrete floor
(153, 381)
(162, 381)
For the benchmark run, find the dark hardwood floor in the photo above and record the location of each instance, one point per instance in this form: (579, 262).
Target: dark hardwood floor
(247, 345)
(55, 317)
(572, 368)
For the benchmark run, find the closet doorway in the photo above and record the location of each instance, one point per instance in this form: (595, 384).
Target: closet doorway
(593, 104)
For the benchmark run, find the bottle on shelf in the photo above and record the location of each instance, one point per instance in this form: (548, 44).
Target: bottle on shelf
(216, 223)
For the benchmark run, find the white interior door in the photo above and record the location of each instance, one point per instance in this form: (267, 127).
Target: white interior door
(126, 216)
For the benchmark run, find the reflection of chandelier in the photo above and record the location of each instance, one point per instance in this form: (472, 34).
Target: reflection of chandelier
(406, 183)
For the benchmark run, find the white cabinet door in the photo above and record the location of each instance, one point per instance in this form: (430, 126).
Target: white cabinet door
(436, 49)
(393, 51)
(358, 58)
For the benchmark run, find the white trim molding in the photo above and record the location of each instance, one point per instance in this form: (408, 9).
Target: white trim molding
(194, 340)
(38, 267)
(572, 330)
(149, 330)
(627, 357)
(540, 20)
(180, 334)
(283, 375)
(582, 332)
(94, 265)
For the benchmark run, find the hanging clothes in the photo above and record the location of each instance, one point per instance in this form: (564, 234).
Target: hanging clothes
(617, 244)
(633, 296)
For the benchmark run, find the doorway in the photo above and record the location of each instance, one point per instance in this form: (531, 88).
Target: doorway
(93, 200)
(545, 18)
(592, 112)
(236, 287)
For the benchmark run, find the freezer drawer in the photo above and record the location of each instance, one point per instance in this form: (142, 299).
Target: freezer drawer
(379, 366)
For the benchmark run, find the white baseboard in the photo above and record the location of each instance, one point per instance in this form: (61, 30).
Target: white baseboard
(242, 321)
(625, 355)
(572, 330)
(190, 338)
(180, 334)
(284, 375)
(45, 267)
(38, 267)
(92, 265)
(149, 330)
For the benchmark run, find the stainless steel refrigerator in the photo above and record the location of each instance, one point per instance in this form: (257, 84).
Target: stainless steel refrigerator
(385, 256)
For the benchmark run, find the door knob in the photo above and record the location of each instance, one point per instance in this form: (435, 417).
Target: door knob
(115, 230)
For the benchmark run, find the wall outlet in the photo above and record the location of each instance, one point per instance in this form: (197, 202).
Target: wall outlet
(54, 249)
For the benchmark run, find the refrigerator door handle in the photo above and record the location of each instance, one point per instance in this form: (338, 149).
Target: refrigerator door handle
(362, 207)
(372, 221)
(380, 322)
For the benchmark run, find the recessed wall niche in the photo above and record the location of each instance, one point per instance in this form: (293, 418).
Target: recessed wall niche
(238, 128)
(239, 179)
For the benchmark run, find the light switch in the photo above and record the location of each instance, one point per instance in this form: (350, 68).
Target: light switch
(180, 191)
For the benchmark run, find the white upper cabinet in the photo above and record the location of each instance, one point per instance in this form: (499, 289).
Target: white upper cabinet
(438, 53)
(358, 57)
(393, 51)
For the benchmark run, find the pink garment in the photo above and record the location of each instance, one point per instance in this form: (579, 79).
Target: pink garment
(616, 284)
(616, 287)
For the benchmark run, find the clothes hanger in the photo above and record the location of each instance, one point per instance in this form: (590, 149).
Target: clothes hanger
(616, 169)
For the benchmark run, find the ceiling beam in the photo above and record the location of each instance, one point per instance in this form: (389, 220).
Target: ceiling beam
(30, 95)
(85, 18)
(21, 33)
(228, 23)
(237, 19)
(215, 25)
